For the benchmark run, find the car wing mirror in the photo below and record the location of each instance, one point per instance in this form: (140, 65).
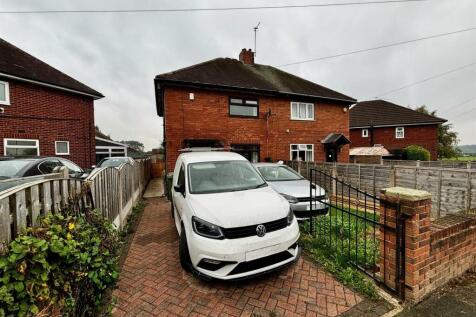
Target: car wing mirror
(179, 189)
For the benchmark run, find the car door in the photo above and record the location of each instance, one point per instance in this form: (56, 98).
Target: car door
(74, 170)
(178, 198)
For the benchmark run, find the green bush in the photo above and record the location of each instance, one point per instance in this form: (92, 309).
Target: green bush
(61, 267)
(416, 152)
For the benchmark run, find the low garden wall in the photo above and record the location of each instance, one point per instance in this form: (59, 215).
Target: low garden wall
(435, 251)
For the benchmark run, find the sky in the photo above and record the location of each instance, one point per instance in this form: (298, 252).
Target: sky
(119, 54)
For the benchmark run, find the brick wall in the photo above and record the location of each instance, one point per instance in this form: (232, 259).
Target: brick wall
(207, 117)
(425, 136)
(435, 252)
(50, 115)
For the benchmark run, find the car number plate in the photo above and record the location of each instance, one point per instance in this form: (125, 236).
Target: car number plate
(259, 253)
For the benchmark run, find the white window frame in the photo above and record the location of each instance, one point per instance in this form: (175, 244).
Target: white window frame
(6, 102)
(5, 146)
(291, 151)
(365, 133)
(398, 130)
(56, 148)
(307, 116)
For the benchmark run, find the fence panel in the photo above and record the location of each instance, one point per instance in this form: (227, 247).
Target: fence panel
(112, 190)
(453, 190)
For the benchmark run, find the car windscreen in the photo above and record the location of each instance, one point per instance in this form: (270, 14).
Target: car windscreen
(279, 173)
(113, 162)
(219, 177)
(12, 167)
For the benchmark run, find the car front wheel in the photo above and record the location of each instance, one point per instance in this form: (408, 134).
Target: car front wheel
(184, 255)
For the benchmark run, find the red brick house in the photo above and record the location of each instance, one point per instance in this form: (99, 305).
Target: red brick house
(393, 126)
(257, 110)
(43, 111)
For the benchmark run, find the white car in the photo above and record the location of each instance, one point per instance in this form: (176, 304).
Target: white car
(296, 189)
(231, 224)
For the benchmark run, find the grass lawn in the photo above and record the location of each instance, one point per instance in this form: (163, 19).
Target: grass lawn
(462, 158)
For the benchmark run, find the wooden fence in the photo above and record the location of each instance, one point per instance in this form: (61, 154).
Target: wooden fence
(114, 191)
(453, 190)
(439, 164)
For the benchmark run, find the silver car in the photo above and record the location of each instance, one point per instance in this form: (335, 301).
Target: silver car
(295, 188)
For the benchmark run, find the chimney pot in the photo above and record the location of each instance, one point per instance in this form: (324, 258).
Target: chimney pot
(247, 56)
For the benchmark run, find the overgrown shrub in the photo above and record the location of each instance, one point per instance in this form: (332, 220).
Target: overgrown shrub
(61, 267)
(416, 152)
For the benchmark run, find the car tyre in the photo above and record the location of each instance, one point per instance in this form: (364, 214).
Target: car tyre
(184, 255)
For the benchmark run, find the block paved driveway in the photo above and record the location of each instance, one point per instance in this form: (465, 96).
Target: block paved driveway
(152, 283)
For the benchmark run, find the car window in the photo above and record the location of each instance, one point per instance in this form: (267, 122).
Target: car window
(47, 166)
(181, 177)
(113, 162)
(12, 167)
(226, 176)
(71, 166)
(279, 173)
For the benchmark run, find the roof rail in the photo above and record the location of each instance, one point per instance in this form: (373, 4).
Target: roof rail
(204, 149)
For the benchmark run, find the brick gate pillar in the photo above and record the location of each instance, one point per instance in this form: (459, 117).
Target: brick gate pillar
(415, 206)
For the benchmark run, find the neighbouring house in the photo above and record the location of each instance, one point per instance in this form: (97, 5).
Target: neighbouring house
(109, 148)
(392, 126)
(256, 110)
(44, 111)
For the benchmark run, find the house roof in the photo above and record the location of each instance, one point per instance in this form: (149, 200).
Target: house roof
(231, 73)
(371, 150)
(383, 113)
(110, 143)
(335, 138)
(16, 63)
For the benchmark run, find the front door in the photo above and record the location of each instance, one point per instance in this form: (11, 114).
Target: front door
(331, 153)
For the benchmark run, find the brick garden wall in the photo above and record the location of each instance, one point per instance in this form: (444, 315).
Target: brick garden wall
(435, 252)
(50, 115)
(424, 135)
(207, 117)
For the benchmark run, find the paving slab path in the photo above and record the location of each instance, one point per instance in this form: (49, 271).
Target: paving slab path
(152, 283)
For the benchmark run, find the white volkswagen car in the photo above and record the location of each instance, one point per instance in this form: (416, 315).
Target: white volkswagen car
(231, 224)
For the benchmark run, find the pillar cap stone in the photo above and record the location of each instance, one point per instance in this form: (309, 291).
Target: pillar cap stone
(407, 194)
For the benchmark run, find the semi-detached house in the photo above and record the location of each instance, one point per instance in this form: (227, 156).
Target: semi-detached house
(44, 111)
(256, 110)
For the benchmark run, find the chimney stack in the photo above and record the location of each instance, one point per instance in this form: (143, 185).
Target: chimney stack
(247, 56)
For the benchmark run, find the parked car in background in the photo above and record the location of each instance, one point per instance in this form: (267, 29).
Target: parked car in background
(296, 189)
(231, 224)
(114, 161)
(11, 167)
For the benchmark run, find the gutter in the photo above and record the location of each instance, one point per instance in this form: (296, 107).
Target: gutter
(397, 125)
(40, 83)
(271, 92)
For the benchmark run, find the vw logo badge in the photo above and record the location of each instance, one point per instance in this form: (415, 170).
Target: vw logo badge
(260, 230)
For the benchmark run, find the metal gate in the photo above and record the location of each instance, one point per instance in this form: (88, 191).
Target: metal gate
(356, 229)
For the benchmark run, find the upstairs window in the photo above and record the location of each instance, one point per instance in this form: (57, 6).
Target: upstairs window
(241, 107)
(4, 93)
(62, 147)
(399, 132)
(365, 133)
(21, 147)
(302, 111)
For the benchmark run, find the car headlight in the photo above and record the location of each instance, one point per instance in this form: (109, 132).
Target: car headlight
(206, 229)
(290, 216)
(290, 199)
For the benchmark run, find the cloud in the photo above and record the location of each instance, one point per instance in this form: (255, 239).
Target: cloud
(119, 54)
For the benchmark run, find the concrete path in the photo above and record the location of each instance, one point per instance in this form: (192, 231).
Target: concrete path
(155, 188)
(152, 283)
(456, 299)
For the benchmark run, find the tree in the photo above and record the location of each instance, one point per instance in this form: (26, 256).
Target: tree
(136, 145)
(101, 134)
(447, 139)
